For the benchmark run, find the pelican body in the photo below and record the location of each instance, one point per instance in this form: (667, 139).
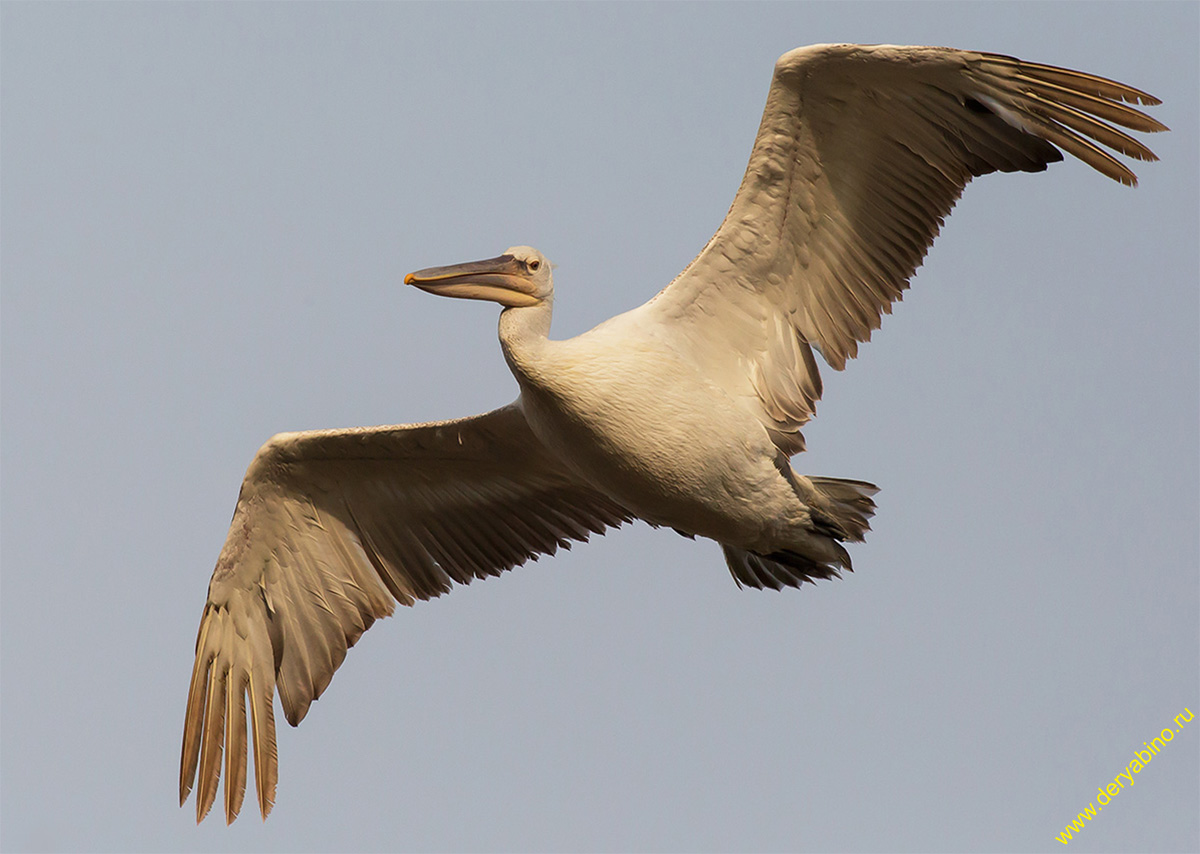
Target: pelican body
(683, 412)
(630, 414)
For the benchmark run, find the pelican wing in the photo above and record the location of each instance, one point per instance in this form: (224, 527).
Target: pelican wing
(331, 528)
(861, 154)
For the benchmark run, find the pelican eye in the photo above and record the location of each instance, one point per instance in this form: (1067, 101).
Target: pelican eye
(534, 264)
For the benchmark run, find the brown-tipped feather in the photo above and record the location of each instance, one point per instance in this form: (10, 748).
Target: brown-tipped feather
(1105, 108)
(235, 743)
(193, 721)
(1102, 133)
(210, 747)
(1081, 81)
(266, 764)
(1091, 154)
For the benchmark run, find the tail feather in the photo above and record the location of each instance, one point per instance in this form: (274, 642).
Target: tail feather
(847, 504)
(841, 510)
(781, 569)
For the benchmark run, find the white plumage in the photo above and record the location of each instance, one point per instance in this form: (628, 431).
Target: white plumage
(683, 412)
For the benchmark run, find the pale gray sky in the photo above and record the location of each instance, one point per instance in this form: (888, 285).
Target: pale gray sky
(207, 212)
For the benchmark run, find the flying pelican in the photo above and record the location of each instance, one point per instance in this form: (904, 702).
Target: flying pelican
(683, 412)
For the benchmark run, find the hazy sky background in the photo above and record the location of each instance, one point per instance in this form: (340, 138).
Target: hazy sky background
(207, 213)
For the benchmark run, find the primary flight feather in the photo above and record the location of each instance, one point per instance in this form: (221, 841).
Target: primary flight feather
(683, 412)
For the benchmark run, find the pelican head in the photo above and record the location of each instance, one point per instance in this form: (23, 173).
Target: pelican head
(517, 279)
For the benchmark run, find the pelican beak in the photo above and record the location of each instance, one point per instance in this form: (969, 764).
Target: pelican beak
(503, 279)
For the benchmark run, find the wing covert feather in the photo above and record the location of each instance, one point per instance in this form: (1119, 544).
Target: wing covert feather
(333, 527)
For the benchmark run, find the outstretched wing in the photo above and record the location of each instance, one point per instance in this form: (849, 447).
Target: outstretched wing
(861, 154)
(331, 528)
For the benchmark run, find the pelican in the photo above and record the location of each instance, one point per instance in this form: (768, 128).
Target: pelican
(683, 412)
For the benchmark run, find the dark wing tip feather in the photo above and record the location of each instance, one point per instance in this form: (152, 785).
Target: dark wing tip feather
(1071, 108)
(1080, 81)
